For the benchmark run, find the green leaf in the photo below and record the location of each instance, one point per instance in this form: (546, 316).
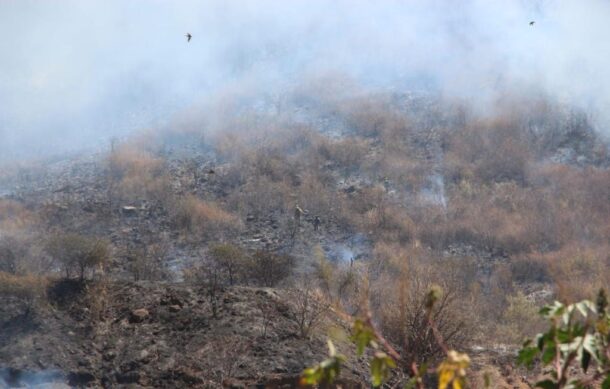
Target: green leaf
(564, 336)
(331, 348)
(411, 383)
(326, 371)
(422, 370)
(376, 374)
(434, 294)
(546, 384)
(548, 355)
(555, 310)
(363, 336)
(591, 346)
(487, 380)
(584, 307)
(380, 368)
(540, 341)
(527, 355)
(606, 383)
(585, 359)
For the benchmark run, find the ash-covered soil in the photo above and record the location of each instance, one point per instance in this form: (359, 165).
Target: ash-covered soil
(160, 335)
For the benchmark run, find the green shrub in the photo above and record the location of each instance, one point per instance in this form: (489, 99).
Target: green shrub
(77, 253)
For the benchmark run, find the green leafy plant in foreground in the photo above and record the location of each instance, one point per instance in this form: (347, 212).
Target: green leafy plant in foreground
(451, 371)
(326, 371)
(579, 333)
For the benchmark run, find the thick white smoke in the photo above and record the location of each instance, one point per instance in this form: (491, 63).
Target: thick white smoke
(73, 73)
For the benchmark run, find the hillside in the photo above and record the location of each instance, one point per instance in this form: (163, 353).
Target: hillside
(159, 336)
(197, 224)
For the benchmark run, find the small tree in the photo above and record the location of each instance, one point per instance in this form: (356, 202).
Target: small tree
(77, 252)
(229, 258)
(212, 282)
(138, 266)
(149, 263)
(266, 309)
(268, 269)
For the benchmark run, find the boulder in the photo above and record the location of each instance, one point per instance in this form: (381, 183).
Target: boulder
(128, 210)
(139, 315)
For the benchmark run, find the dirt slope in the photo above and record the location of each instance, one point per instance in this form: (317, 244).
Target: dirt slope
(157, 335)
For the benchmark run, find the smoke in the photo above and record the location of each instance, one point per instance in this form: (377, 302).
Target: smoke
(73, 73)
(14, 378)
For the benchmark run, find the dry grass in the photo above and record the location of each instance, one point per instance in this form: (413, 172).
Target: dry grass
(204, 220)
(579, 272)
(14, 216)
(135, 174)
(24, 287)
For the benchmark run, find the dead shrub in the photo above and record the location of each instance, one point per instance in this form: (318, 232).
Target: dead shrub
(308, 308)
(494, 150)
(520, 320)
(338, 282)
(370, 116)
(531, 268)
(134, 174)
(14, 216)
(261, 197)
(579, 271)
(402, 309)
(316, 197)
(204, 220)
(27, 288)
(347, 154)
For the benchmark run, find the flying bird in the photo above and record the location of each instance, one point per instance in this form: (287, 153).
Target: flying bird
(188, 36)
(532, 23)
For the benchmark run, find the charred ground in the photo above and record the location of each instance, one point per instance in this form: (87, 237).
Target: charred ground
(505, 210)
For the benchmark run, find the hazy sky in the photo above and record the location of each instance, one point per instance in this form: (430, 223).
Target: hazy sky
(73, 73)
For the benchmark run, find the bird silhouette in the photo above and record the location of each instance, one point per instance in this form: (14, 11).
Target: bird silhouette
(532, 23)
(188, 36)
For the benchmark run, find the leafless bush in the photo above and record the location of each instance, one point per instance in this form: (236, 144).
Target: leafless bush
(27, 288)
(578, 271)
(309, 308)
(267, 309)
(531, 268)
(209, 275)
(519, 320)
(14, 216)
(347, 154)
(494, 151)
(134, 174)
(398, 292)
(338, 282)
(260, 197)
(370, 116)
(225, 354)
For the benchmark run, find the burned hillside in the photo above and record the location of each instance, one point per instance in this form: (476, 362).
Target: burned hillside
(363, 195)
